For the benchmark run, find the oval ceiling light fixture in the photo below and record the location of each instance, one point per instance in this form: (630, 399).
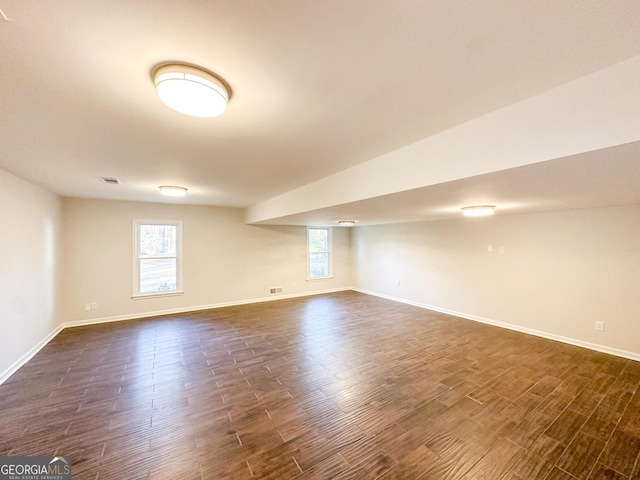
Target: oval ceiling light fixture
(478, 210)
(347, 223)
(191, 91)
(173, 191)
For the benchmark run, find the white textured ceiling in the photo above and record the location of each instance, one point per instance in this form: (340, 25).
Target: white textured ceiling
(318, 87)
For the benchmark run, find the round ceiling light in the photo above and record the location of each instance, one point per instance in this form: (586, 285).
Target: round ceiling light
(191, 91)
(173, 191)
(478, 210)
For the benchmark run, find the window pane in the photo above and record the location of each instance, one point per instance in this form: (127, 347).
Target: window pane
(157, 275)
(318, 265)
(318, 240)
(157, 240)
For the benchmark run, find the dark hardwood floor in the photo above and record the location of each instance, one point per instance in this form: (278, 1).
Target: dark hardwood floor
(340, 386)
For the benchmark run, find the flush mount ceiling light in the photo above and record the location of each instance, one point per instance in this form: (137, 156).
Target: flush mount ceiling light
(478, 210)
(347, 223)
(173, 191)
(191, 91)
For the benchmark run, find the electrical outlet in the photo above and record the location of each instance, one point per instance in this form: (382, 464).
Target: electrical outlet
(87, 307)
(94, 306)
(489, 248)
(503, 250)
(598, 326)
(398, 283)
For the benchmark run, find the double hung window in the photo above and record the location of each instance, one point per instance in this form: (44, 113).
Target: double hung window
(319, 252)
(158, 257)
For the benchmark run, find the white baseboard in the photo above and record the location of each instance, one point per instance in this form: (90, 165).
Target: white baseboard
(538, 333)
(29, 355)
(118, 318)
(171, 311)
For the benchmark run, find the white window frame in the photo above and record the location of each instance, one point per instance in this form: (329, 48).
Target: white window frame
(136, 259)
(329, 252)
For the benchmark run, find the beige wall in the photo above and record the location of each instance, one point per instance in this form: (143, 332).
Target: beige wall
(224, 259)
(29, 246)
(559, 274)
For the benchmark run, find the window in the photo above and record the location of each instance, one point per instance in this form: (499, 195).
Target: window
(319, 251)
(158, 257)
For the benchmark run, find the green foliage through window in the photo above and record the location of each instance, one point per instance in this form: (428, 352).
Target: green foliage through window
(319, 251)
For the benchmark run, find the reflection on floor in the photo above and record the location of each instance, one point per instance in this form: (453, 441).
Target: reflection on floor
(338, 386)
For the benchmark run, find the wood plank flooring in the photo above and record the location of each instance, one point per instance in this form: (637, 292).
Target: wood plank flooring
(339, 386)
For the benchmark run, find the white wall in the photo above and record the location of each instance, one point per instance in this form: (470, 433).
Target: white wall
(561, 272)
(29, 247)
(225, 261)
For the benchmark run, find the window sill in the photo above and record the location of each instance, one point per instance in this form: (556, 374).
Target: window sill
(172, 293)
(319, 278)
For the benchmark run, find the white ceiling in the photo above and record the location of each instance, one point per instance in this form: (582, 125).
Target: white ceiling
(318, 87)
(604, 178)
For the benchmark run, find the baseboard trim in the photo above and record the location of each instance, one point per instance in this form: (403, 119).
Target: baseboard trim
(172, 311)
(13, 368)
(538, 333)
(118, 318)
